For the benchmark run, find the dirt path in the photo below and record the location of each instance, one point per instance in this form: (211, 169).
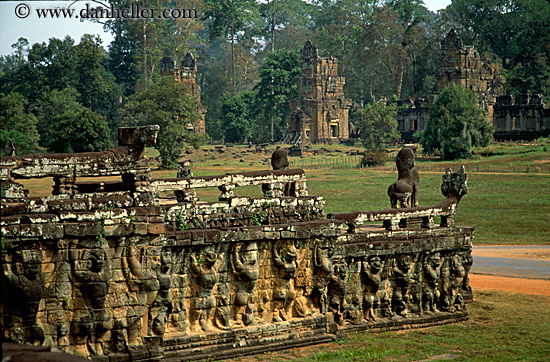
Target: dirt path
(535, 252)
(517, 285)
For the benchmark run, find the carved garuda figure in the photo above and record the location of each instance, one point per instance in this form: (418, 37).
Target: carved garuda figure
(244, 261)
(284, 258)
(454, 183)
(24, 287)
(405, 189)
(204, 266)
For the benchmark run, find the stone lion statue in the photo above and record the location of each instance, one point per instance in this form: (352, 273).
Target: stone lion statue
(404, 191)
(279, 160)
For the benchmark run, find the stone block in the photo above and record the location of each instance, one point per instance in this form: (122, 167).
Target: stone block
(82, 229)
(118, 229)
(155, 228)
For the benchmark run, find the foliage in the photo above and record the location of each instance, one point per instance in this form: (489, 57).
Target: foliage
(374, 158)
(82, 129)
(170, 105)
(237, 117)
(516, 31)
(277, 87)
(17, 125)
(231, 18)
(378, 125)
(456, 123)
(37, 71)
(96, 86)
(278, 14)
(196, 140)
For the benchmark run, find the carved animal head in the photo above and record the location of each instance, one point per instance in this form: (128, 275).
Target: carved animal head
(210, 257)
(454, 183)
(435, 260)
(279, 160)
(375, 264)
(405, 159)
(250, 254)
(97, 257)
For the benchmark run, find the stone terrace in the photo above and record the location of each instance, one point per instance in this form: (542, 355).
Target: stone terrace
(141, 269)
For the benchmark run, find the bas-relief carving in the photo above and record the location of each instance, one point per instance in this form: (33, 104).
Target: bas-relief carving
(432, 273)
(162, 305)
(92, 276)
(323, 275)
(244, 263)
(401, 268)
(112, 294)
(218, 294)
(375, 298)
(337, 291)
(24, 281)
(141, 273)
(204, 267)
(284, 294)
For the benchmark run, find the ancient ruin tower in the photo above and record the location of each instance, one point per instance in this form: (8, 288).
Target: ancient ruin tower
(186, 73)
(463, 65)
(320, 113)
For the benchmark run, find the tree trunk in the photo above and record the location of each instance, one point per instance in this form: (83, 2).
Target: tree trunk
(399, 81)
(272, 31)
(233, 60)
(145, 54)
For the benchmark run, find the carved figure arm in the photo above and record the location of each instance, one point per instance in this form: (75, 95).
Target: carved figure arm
(276, 256)
(386, 269)
(195, 267)
(235, 259)
(133, 263)
(9, 274)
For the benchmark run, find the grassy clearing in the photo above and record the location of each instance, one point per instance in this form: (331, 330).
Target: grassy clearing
(504, 209)
(502, 327)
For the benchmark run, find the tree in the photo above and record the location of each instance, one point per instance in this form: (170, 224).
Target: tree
(46, 67)
(456, 123)
(228, 17)
(83, 131)
(68, 126)
(170, 105)
(277, 87)
(237, 117)
(378, 125)
(514, 30)
(97, 87)
(17, 125)
(281, 13)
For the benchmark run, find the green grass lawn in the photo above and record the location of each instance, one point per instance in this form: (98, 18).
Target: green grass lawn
(502, 327)
(504, 209)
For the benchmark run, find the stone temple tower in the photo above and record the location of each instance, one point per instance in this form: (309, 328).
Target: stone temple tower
(186, 73)
(463, 65)
(320, 113)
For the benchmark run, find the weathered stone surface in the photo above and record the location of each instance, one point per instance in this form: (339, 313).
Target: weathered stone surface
(320, 113)
(98, 275)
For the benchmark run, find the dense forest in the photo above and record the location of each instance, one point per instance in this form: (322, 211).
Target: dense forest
(61, 96)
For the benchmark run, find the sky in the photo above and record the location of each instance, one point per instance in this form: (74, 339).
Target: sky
(38, 30)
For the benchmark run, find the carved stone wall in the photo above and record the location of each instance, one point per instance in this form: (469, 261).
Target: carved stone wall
(411, 116)
(523, 117)
(461, 64)
(320, 113)
(143, 270)
(186, 73)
